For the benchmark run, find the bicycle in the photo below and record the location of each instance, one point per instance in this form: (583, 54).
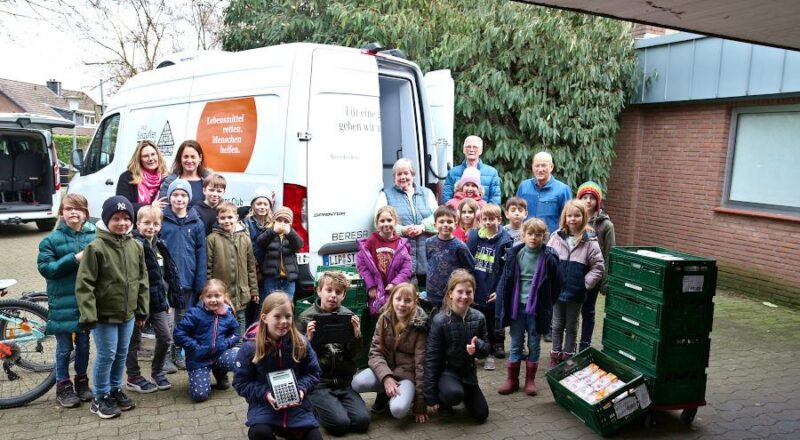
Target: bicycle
(27, 353)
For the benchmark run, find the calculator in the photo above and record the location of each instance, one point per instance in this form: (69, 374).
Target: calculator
(284, 388)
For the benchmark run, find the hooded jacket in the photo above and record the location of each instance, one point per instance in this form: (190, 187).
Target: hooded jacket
(401, 356)
(337, 361)
(606, 237)
(231, 259)
(255, 229)
(489, 254)
(399, 271)
(165, 288)
(57, 264)
(279, 249)
(251, 382)
(112, 285)
(186, 240)
(580, 268)
(205, 335)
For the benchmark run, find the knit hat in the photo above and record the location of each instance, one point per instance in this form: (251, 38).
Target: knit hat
(179, 184)
(471, 175)
(263, 191)
(593, 189)
(283, 212)
(116, 204)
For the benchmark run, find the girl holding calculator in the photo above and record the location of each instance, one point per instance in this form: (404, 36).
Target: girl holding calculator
(276, 369)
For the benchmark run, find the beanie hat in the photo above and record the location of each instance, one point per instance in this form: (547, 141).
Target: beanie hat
(115, 204)
(471, 175)
(179, 184)
(593, 189)
(263, 191)
(283, 212)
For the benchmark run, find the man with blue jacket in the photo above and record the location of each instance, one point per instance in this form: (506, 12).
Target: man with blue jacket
(544, 194)
(490, 180)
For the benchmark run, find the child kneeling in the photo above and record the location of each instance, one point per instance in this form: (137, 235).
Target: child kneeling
(209, 333)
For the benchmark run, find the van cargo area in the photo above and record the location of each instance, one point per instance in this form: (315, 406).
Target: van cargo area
(26, 181)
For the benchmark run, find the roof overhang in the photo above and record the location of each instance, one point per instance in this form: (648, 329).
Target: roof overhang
(767, 22)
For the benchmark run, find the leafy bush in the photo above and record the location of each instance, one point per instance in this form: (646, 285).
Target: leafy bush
(63, 144)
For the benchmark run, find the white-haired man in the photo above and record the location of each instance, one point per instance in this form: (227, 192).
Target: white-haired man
(490, 180)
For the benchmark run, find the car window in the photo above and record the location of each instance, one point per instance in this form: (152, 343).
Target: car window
(101, 150)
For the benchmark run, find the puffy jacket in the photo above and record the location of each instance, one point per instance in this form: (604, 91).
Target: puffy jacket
(112, 283)
(459, 196)
(416, 210)
(165, 287)
(57, 264)
(399, 271)
(205, 335)
(490, 181)
(231, 259)
(606, 238)
(581, 268)
(489, 254)
(251, 382)
(255, 229)
(401, 356)
(277, 249)
(186, 240)
(547, 290)
(447, 349)
(337, 361)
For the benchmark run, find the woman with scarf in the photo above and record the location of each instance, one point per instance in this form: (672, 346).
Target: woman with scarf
(141, 182)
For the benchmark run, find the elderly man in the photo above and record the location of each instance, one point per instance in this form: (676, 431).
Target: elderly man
(545, 194)
(473, 148)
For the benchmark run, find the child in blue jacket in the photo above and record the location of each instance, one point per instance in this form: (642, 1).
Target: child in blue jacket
(275, 344)
(209, 333)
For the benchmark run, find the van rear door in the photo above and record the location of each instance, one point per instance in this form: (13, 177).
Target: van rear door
(344, 153)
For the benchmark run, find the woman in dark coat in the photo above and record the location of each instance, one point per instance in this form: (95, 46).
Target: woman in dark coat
(142, 180)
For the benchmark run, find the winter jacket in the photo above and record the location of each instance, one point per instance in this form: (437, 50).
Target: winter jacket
(251, 382)
(580, 268)
(401, 356)
(186, 240)
(399, 271)
(447, 341)
(547, 202)
(165, 287)
(197, 196)
(547, 290)
(459, 196)
(337, 361)
(207, 214)
(421, 214)
(254, 229)
(606, 238)
(112, 283)
(277, 249)
(205, 335)
(231, 259)
(490, 181)
(489, 254)
(131, 191)
(57, 264)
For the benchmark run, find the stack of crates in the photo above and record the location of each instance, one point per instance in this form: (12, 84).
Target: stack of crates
(659, 313)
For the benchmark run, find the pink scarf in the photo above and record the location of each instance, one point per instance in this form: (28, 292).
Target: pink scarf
(148, 187)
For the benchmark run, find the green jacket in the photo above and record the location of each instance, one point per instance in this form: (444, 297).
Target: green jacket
(231, 260)
(112, 284)
(57, 264)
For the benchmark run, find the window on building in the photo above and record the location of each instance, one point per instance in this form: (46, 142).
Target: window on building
(88, 120)
(763, 159)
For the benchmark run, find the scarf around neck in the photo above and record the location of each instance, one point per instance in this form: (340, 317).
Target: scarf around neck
(148, 187)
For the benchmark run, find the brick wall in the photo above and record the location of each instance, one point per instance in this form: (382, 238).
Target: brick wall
(668, 178)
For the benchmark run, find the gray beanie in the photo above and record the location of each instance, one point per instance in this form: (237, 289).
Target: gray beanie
(263, 191)
(179, 184)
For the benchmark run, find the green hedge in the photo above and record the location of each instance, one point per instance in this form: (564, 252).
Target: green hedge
(63, 144)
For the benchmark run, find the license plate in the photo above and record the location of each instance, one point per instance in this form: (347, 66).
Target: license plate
(348, 258)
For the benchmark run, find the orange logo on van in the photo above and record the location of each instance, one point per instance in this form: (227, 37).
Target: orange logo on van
(227, 133)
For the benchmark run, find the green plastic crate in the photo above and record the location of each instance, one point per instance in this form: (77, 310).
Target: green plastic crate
(301, 306)
(692, 318)
(653, 355)
(692, 278)
(615, 410)
(356, 296)
(677, 389)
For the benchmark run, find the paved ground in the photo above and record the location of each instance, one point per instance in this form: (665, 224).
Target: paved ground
(753, 390)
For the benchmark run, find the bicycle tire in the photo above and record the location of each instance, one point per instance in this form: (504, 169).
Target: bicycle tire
(33, 371)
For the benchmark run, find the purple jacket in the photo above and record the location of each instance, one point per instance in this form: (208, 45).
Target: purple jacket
(399, 271)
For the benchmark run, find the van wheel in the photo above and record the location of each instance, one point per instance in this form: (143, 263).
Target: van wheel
(46, 225)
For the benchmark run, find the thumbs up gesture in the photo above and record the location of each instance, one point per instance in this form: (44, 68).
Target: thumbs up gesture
(471, 345)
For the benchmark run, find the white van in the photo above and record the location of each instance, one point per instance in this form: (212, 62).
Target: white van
(320, 125)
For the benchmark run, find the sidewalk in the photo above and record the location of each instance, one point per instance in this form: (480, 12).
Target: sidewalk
(753, 392)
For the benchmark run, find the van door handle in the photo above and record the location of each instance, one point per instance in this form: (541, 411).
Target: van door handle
(109, 182)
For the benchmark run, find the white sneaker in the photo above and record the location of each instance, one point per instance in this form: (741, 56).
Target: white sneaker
(489, 364)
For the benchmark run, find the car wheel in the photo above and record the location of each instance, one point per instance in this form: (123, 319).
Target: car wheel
(46, 225)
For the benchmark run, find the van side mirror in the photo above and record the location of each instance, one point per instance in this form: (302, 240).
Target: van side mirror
(77, 158)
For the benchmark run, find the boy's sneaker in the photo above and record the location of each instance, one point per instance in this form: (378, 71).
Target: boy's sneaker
(169, 367)
(104, 407)
(161, 382)
(381, 404)
(489, 364)
(140, 385)
(122, 401)
(65, 395)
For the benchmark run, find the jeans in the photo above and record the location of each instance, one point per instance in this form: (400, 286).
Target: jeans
(339, 410)
(64, 349)
(272, 284)
(262, 431)
(587, 318)
(524, 325)
(163, 332)
(366, 381)
(240, 316)
(565, 320)
(453, 391)
(111, 343)
(200, 378)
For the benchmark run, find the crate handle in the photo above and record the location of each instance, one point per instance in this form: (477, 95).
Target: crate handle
(627, 355)
(633, 286)
(630, 321)
(636, 265)
(578, 417)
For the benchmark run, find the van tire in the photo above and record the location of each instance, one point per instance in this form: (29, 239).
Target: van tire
(46, 225)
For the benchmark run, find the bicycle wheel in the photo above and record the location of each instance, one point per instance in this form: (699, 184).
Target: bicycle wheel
(28, 355)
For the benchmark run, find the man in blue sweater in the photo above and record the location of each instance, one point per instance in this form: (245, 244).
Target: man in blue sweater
(544, 194)
(490, 180)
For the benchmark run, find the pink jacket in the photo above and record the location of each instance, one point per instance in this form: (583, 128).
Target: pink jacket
(399, 271)
(459, 196)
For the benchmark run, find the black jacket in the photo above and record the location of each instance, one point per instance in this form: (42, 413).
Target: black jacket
(277, 249)
(447, 349)
(207, 214)
(130, 191)
(337, 361)
(165, 287)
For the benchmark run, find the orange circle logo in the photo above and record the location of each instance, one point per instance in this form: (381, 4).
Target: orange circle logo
(227, 132)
